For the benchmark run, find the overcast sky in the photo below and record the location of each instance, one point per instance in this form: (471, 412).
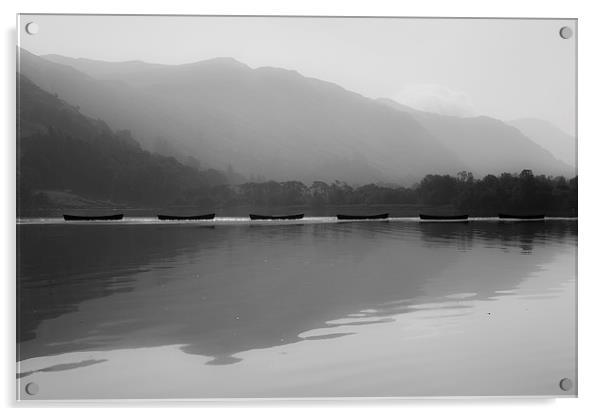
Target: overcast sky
(503, 68)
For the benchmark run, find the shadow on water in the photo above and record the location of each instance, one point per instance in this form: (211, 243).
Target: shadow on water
(220, 291)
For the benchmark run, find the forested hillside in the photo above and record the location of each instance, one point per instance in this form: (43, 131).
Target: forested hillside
(59, 149)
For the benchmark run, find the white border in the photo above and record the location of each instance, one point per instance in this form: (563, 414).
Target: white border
(589, 119)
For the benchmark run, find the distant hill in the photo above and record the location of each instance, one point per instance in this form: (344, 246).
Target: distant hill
(562, 145)
(487, 145)
(101, 69)
(277, 124)
(65, 154)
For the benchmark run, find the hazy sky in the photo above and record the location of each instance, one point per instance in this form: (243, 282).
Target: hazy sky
(503, 68)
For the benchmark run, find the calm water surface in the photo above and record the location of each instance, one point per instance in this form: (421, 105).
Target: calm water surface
(283, 310)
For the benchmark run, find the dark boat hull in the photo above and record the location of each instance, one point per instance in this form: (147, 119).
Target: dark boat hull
(190, 218)
(89, 218)
(276, 217)
(449, 218)
(521, 217)
(363, 217)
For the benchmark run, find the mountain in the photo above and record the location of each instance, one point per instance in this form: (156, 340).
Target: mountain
(485, 144)
(562, 145)
(64, 153)
(38, 112)
(101, 69)
(112, 101)
(265, 122)
(277, 124)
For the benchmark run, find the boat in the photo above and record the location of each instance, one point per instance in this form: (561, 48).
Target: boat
(93, 218)
(189, 218)
(276, 217)
(521, 217)
(363, 217)
(448, 218)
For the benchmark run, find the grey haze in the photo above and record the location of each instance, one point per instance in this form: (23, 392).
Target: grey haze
(278, 124)
(503, 68)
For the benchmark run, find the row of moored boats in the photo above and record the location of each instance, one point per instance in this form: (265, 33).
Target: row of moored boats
(342, 217)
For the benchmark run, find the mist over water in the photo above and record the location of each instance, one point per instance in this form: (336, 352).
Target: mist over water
(225, 294)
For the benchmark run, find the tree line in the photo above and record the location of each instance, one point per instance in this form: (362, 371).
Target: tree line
(523, 192)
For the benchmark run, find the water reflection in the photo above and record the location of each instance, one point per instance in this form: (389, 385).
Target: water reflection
(223, 290)
(62, 367)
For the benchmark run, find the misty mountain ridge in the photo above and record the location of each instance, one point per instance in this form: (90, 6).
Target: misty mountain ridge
(280, 125)
(560, 143)
(63, 153)
(112, 70)
(489, 139)
(545, 134)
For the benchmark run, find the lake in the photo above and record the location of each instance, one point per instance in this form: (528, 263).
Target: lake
(142, 309)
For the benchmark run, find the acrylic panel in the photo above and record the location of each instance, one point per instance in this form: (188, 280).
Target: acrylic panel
(295, 207)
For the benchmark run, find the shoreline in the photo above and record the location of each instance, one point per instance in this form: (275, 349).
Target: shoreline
(246, 220)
